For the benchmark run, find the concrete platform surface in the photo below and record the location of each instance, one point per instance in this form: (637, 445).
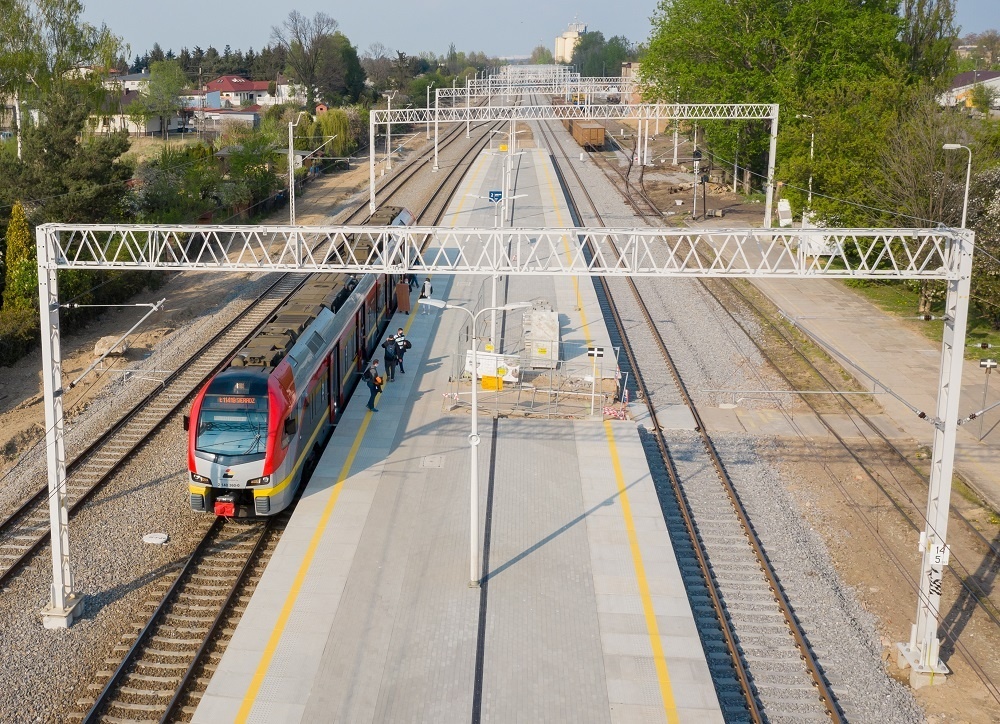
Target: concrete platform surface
(366, 614)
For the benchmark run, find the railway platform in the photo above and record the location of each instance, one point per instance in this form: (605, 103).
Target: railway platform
(366, 612)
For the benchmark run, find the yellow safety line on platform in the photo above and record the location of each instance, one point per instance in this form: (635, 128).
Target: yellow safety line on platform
(649, 612)
(286, 610)
(669, 705)
(569, 255)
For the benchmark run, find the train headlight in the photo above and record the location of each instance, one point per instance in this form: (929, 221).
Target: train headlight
(200, 479)
(259, 481)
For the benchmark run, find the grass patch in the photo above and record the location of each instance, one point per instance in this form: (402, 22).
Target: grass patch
(902, 302)
(145, 148)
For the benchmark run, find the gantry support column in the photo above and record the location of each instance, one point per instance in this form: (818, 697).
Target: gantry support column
(771, 153)
(922, 653)
(65, 604)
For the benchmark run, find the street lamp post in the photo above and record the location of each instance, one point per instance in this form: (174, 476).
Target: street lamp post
(968, 176)
(696, 156)
(291, 167)
(474, 572)
(388, 132)
(429, 86)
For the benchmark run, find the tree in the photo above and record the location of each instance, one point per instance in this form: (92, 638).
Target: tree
(21, 278)
(137, 113)
(339, 75)
(595, 57)
(983, 97)
(401, 69)
(166, 81)
(65, 178)
(62, 42)
(989, 41)
(984, 218)
(927, 37)
(920, 180)
(838, 61)
(542, 56)
(268, 63)
(303, 41)
(377, 64)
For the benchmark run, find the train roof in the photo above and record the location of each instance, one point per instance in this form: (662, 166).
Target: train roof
(291, 319)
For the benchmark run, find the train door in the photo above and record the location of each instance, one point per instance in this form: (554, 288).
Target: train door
(359, 340)
(336, 389)
(372, 312)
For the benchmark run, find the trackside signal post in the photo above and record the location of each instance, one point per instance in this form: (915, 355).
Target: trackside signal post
(944, 254)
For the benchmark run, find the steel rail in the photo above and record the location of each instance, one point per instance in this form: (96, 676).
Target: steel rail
(825, 692)
(956, 568)
(188, 679)
(21, 517)
(18, 521)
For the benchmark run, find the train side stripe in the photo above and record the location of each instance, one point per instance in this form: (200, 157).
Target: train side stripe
(296, 588)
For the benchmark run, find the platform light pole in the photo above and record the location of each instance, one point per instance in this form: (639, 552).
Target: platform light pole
(474, 567)
(968, 176)
(696, 157)
(291, 166)
(429, 86)
(388, 132)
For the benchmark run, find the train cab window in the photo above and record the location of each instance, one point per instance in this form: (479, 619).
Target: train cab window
(231, 425)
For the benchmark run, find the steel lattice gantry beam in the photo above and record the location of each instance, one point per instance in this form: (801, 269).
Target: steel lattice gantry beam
(615, 111)
(944, 254)
(642, 112)
(555, 86)
(758, 253)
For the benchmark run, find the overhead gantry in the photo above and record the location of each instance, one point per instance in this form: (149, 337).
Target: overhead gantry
(643, 113)
(941, 254)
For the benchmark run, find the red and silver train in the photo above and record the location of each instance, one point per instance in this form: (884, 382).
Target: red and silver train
(256, 426)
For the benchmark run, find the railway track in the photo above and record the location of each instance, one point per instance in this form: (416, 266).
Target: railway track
(166, 667)
(26, 530)
(770, 669)
(168, 660)
(974, 559)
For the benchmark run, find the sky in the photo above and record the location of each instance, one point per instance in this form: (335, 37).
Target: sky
(509, 28)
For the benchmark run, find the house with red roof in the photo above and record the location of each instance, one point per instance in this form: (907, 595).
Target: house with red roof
(239, 92)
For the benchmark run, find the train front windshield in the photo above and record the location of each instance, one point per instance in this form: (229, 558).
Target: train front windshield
(232, 426)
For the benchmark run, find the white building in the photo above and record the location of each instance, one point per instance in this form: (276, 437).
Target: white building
(566, 42)
(964, 83)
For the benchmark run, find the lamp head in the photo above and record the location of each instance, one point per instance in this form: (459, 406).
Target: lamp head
(516, 305)
(951, 146)
(439, 303)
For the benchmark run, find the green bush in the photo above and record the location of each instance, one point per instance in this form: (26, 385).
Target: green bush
(19, 334)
